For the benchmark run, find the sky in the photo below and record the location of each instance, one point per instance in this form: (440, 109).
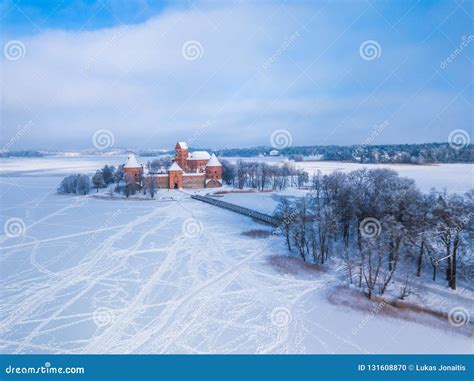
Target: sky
(222, 74)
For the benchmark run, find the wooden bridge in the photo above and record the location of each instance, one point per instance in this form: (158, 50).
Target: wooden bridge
(239, 209)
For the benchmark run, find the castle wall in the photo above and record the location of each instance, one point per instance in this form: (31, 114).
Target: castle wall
(161, 181)
(135, 172)
(214, 173)
(213, 184)
(193, 165)
(194, 181)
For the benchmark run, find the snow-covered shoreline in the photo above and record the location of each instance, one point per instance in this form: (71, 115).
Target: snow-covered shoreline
(89, 275)
(457, 178)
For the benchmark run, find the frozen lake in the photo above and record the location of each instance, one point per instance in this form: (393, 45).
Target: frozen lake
(456, 178)
(90, 275)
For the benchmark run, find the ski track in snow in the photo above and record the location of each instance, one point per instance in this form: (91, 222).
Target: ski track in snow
(194, 298)
(80, 283)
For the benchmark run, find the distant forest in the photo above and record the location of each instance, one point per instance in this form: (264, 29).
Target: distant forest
(28, 153)
(393, 153)
(425, 153)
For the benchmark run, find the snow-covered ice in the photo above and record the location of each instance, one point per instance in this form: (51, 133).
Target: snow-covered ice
(92, 275)
(456, 178)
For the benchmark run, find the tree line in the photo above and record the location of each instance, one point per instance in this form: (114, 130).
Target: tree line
(115, 179)
(262, 176)
(380, 226)
(81, 184)
(24, 153)
(387, 153)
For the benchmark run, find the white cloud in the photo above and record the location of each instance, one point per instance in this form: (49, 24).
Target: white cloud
(134, 80)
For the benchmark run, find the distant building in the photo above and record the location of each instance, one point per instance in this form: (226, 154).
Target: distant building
(190, 170)
(274, 152)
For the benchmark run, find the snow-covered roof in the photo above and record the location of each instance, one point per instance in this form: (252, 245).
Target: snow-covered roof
(209, 180)
(199, 155)
(183, 145)
(131, 162)
(175, 167)
(194, 174)
(213, 162)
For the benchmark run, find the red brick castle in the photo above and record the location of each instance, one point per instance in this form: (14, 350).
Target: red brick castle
(196, 169)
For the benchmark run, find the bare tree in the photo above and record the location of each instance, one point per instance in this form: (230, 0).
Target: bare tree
(285, 212)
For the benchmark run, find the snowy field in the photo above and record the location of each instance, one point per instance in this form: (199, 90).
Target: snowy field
(91, 275)
(264, 202)
(456, 178)
(58, 165)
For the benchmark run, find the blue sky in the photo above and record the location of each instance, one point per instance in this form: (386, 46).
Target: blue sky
(33, 16)
(229, 74)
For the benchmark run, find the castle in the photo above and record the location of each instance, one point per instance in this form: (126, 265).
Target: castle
(190, 170)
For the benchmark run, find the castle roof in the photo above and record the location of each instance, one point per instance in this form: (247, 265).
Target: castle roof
(209, 180)
(183, 145)
(175, 167)
(199, 155)
(213, 162)
(131, 162)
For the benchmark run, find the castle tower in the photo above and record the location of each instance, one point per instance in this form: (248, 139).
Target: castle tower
(175, 176)
(213, 172)
(181, 156)
(132, 167)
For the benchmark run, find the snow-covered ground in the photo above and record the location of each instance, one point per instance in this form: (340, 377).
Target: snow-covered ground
(92, 275)
(455, 178)
(58, 165)
(264, 202)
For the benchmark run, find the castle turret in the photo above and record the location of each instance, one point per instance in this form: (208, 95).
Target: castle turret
(132, 167)
(213, 172)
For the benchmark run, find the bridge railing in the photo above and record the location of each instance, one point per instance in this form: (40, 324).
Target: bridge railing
(239, 209)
